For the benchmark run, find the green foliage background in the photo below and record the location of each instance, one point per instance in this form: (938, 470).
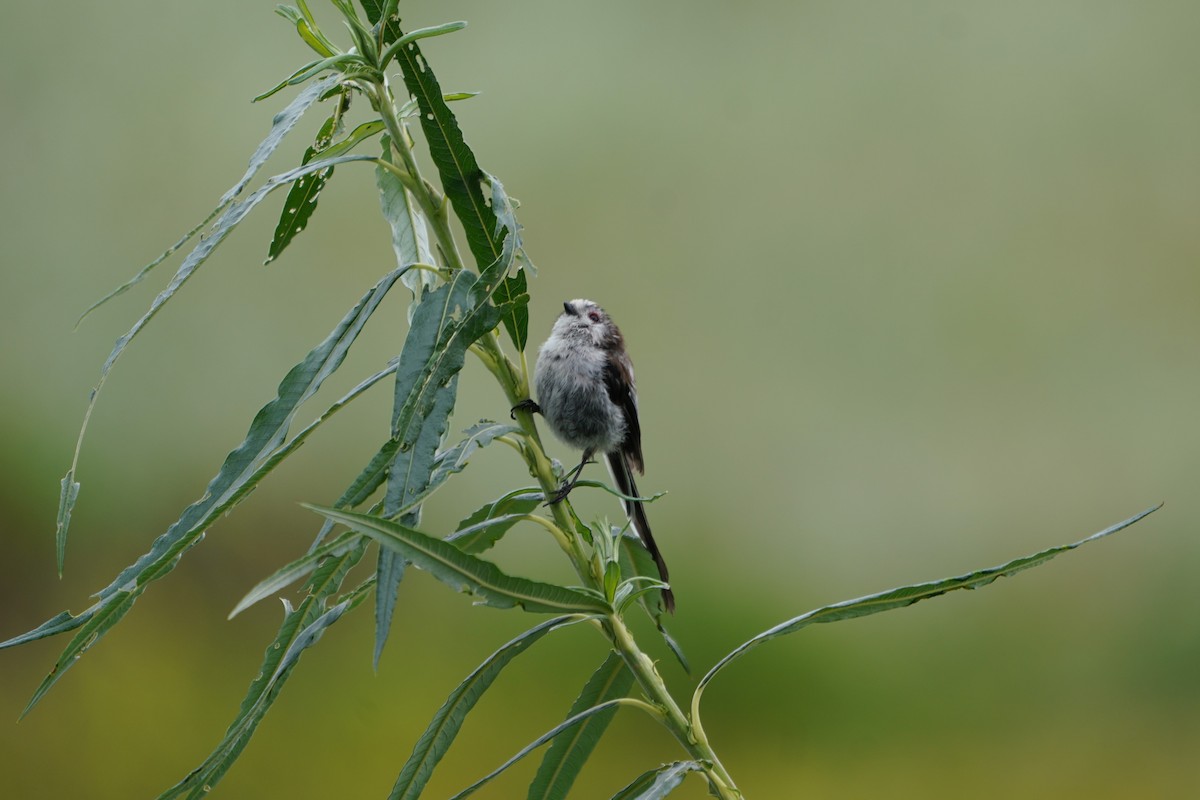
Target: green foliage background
(910, 290)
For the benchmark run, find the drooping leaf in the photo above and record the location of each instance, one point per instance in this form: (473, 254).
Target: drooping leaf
(311, 69)
(447, 722)
(300, 568)
(538, 742)
(300, 629)
(566, 757)
(228, 220)
(445, 323)
(658, 783)
(464, 572)
(482, 536)
(281, 125)
(904, 596)
(259, 453)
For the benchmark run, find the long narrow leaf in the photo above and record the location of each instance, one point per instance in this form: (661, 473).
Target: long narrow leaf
(460, 174)
(301, 628)
(483, 535)
(904, 596)
(426, 391)
(300, 568)
(242, 470)
(366, 484)
(448, 720)
(467, 573)
(566, 757)
(421, 33)
(538, 742)
(281, 125)
(658, 783)
(511, 507)
(463, 182)
(228, 220)
(302, 198)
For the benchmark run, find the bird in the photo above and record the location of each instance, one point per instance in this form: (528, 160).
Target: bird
(587, 394)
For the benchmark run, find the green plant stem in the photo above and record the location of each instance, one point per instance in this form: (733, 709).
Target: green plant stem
(691, 737)
(680, 726)
(514, 381)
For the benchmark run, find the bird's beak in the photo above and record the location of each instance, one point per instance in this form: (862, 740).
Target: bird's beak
(569, 309)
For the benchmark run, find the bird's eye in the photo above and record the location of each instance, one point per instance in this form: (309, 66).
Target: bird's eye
(594, 316)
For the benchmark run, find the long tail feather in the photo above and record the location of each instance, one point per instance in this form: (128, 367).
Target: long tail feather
(622, 475)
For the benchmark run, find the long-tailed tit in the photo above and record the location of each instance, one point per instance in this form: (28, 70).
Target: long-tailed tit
(586, 392)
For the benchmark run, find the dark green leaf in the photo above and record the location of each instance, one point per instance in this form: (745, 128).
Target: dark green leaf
(302, 198)
(569, 753)
(446, 723)
(658, 783)
(464, 572)
(460, 174)
(905, 596)
(535, 744)
(391, 28)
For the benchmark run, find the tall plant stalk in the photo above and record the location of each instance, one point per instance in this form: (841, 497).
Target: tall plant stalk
(457, 309)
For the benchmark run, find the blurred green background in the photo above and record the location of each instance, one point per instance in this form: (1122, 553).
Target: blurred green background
(911, 289)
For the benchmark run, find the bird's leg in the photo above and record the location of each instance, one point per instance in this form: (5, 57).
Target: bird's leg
(525, 405)
(570, 479)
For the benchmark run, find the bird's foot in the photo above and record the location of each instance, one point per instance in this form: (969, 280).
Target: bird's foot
(525, 405)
